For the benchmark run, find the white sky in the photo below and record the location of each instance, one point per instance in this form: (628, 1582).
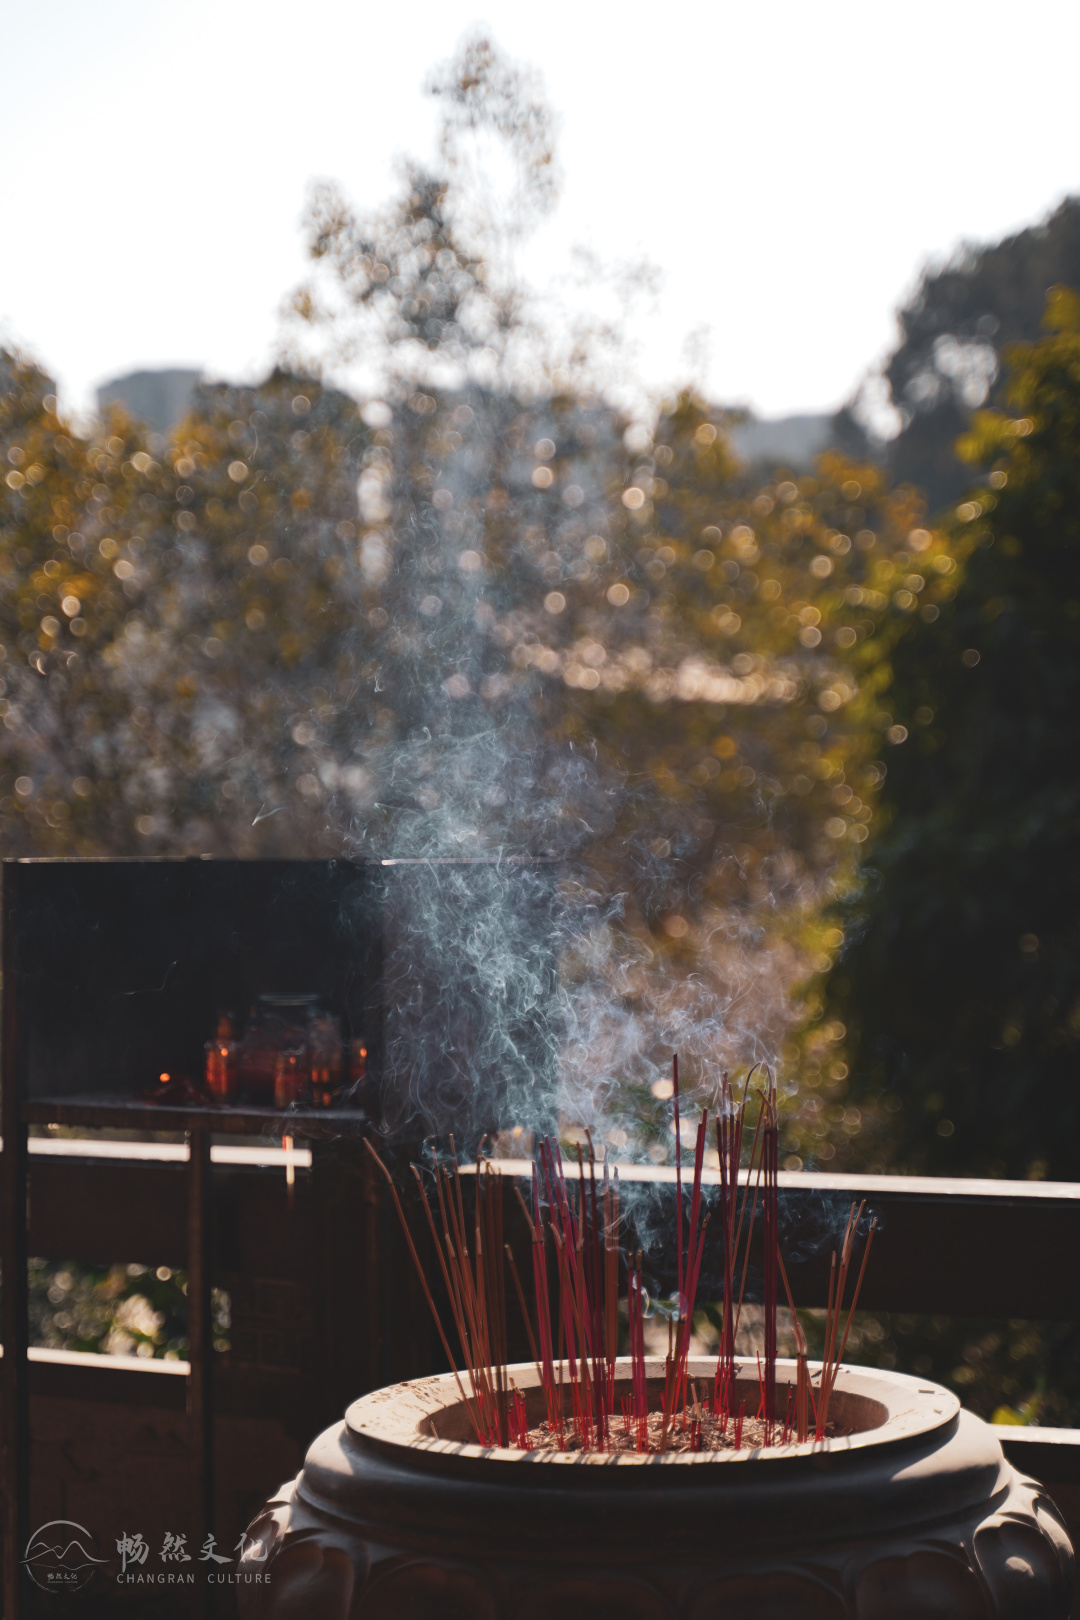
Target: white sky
(789, 166)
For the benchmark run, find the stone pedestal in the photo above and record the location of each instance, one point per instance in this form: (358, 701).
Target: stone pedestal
(914, 1513)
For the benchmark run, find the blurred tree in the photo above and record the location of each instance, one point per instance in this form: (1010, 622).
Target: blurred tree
(486, 611)
(116, 1310)
(262, 646)
(954, 332)
(725, 654)
(67, 600)
(179, 627)
(961, 989)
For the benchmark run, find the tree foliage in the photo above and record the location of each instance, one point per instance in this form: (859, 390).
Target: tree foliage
(486, 611)
(172, 619)
(961, 993)
(954, 332)
(710, 655)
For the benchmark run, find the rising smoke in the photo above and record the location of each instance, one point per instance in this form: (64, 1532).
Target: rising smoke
(526, 988)
(525, 992)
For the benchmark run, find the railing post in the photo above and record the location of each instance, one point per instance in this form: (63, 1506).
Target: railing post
(13, 1246)
(200, 1411)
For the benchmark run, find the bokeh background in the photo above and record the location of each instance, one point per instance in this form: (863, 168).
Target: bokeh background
(672, 468)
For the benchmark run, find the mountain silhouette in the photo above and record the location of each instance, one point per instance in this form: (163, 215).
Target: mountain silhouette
(73, 1556)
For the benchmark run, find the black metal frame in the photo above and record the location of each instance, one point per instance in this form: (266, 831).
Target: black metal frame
(23, 1105)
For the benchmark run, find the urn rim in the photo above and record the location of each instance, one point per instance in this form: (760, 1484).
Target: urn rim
(404, 1419)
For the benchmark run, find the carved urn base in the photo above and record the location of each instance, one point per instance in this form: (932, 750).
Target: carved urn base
(913, 1512)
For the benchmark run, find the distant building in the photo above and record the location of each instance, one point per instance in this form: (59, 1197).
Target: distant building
(159, 398)
(785, 441)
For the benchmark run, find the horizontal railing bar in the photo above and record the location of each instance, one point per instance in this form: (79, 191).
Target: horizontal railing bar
(100, 1361)
(1045, 1437)
(817, 1181)
(162, 1152)
(945, 1246)
(823, 1181)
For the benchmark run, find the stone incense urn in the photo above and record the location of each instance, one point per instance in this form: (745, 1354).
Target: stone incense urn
(911, 1511)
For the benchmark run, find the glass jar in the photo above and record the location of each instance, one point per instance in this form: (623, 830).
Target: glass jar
(221, 1061)
(273, 1056)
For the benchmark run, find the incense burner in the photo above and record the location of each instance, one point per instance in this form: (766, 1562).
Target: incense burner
(910, 1510)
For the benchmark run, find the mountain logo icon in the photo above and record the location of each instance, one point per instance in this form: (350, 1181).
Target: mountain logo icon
(62, 1556)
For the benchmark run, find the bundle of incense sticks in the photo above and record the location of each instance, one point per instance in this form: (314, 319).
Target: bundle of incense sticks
(736, 1229)
(832, 1357)
(572, 1326)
